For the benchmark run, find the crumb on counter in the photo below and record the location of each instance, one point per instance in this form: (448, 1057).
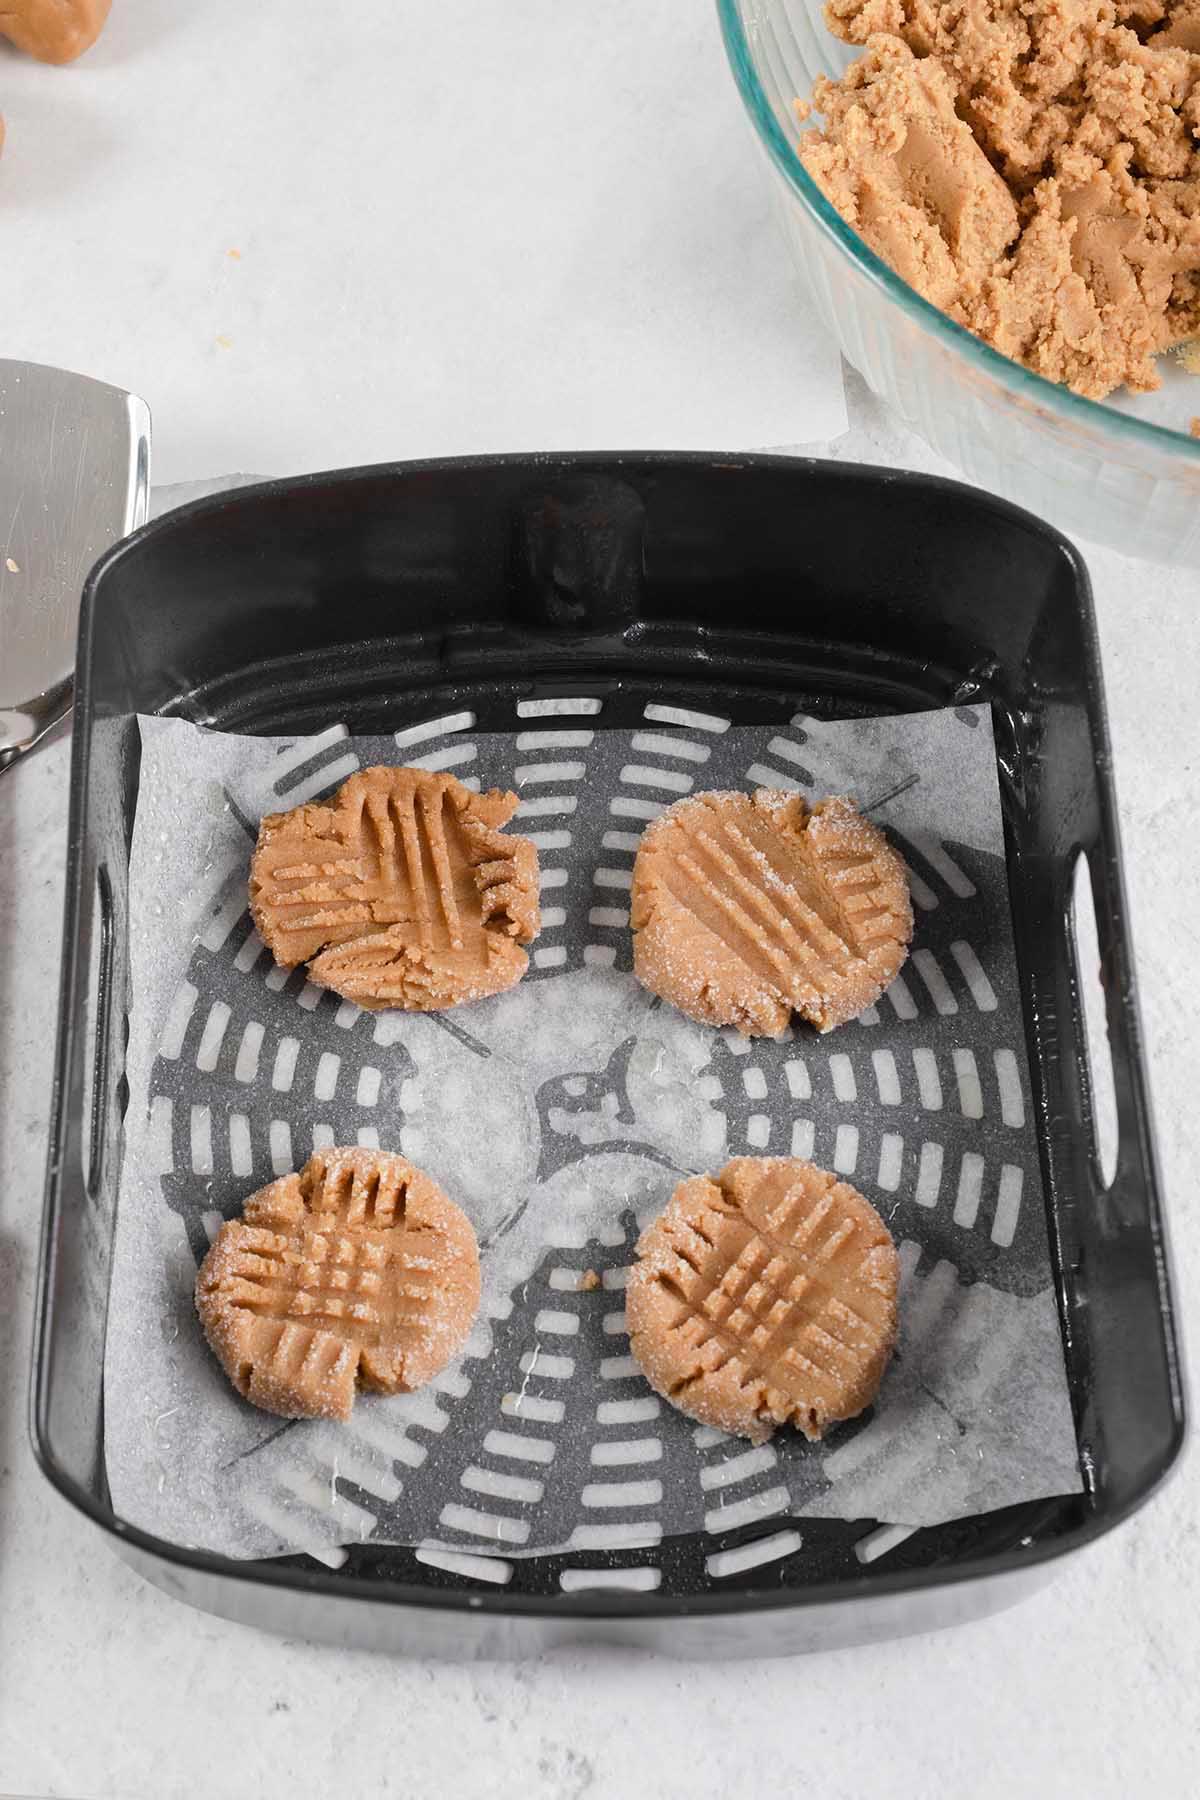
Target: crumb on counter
(589, 1281)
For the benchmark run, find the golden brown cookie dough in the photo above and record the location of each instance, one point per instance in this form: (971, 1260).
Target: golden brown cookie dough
(765, 1297)
(746, 909)
(55, 31)
(1029, 166)
(357, 1271)
(402, 891)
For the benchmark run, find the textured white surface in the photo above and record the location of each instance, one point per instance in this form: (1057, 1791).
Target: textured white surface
(315, 238)
(111, 1691)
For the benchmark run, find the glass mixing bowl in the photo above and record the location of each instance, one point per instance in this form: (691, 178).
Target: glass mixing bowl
(1111, 471)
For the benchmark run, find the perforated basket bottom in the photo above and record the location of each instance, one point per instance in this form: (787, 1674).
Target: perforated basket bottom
(541, 1459)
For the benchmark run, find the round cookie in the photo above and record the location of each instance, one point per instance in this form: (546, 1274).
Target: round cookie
(403, 890)
(765, 1297)
(358, 1271)
(747, 908)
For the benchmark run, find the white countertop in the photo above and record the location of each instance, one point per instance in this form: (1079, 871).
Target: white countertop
(522, 225)
(109, 1690)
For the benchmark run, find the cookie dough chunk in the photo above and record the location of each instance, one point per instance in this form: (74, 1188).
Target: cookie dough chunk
(55, 31)
(403, 891)
(904, 170)
(765, 1297)
(746, 909)
(1104, 277)
(1031, 167)
(357, 1272)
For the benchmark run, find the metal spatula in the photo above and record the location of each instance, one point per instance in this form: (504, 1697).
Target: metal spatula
(74, 478)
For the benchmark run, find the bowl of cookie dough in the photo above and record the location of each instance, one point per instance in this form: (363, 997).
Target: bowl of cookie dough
(996, 212)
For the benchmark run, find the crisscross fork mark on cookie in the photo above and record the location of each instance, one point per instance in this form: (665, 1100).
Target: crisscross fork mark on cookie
(404, 891)
(356, 1270)
(747, 908)
(767, 1296)
(332, 1282)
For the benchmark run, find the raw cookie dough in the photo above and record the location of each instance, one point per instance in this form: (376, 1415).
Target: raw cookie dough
(403, 890)
(55, 31)
(356, 1271)
(1029, 166)
(765, 1297)
(746, 909)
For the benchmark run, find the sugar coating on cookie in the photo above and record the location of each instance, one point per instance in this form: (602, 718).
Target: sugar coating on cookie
(765, 1296)
(403, 891)
(355, 1272)
(747, 908)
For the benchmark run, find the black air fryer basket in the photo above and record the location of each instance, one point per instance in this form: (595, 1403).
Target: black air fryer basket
(752, 588)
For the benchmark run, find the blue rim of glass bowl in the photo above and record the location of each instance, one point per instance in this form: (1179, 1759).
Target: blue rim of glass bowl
(1020, 381)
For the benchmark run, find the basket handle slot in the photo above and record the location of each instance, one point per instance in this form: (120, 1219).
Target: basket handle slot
(1092, 978)
(99, 1018)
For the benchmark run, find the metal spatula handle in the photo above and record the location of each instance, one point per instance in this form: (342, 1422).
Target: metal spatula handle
(74, 478)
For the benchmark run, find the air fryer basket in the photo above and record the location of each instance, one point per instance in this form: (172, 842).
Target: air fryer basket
(752, 588)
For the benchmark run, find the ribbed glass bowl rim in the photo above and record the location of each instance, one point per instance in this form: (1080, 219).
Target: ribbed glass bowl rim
(1073, 408)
